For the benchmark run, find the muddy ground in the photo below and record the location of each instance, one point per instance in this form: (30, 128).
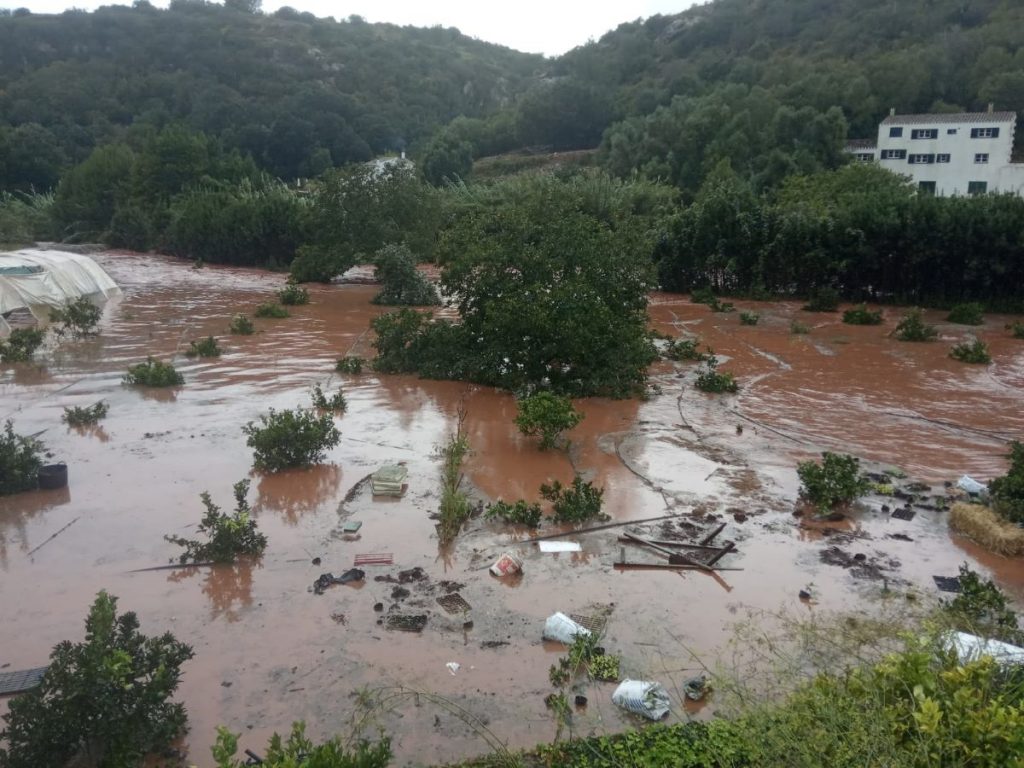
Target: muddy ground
(269, 650)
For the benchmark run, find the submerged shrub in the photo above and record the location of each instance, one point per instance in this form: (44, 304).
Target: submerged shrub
(574, 504)
(454, 506)
(241, 325)
(227, 536)
(749, 318)
(548, 415)
(271, 309)
(519, 513)
(401, 282)
(203, 348)
(290, 438)
(836, 480)
(19, 461)
(798, 328)
(967, 314)
(335, 403)
(153, 373)
(83, 417)
(349, 364)
(861, 315)
(293, 295)
(823, 300)
(703, 296)
(1016, 330)
(21, 345)
(710, 379)
(912, 327)
(1007, 492)
(722, 306)
(299, 752)
(77, 318)
(981, 608)
(971, 352)
(684, 349)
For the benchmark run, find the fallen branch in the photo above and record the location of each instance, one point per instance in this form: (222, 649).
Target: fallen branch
(680, 544)
(54, 536)
(710, 537)
(663, 567)
(173, 567)
(674, 558)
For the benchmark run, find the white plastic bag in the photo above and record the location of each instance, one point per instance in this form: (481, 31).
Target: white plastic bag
(563, 629)
(970, 485)
(642, 697)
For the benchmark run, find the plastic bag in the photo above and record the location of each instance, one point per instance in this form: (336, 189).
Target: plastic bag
(643, 698)
(970, 485)
(561, 628)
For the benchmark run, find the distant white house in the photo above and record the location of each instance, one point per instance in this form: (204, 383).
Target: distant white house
(948, 154)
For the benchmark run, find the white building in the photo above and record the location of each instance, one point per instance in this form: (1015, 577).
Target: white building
(950, 154)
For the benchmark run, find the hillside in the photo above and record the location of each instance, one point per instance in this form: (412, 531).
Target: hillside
(297, 92)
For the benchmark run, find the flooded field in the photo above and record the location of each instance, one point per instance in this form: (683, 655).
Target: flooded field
(269, 651)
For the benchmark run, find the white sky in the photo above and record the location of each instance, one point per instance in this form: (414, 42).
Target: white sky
(551, 27)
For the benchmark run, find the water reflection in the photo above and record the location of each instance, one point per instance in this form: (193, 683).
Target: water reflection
(17, 510)
(295, 492)
(225, 585)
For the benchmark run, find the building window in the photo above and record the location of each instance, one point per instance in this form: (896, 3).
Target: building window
(894, 154)
(977, 187)
(951, 131)
(865, 157)
(942, 158)
(921, 159)
(984, 133)
(924, 133)
(895, 133)
(927, 187)
(981, 157)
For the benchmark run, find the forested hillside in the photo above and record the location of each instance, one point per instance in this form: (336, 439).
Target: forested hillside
(297, 93)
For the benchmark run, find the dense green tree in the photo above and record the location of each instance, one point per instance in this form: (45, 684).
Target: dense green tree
(446, 159)
(89, 193)
(564, 114)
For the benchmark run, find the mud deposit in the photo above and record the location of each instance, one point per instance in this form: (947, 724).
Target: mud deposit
(270, 651)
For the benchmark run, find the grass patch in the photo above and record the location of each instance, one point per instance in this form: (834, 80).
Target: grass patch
(271, 309)
(519, 513)
(990, 530)
(861, 315)
(798, 328)
(912, 327)
(153, 373)
(971, 352)
(335, 403)
(227, 536)
(241, 325)
(203, 348)
(293, 295)
(749, 318)
(967, 314)
(454, 508)
(710, 379)
(349, 364)
(21, 345)
(84, 417)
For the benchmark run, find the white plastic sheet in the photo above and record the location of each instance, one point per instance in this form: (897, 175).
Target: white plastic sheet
(562, 629)
(969, 484)
(559, 546)
(642, 697)
(971, 647)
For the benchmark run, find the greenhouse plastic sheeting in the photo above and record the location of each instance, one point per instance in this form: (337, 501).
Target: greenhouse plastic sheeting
(40, 280)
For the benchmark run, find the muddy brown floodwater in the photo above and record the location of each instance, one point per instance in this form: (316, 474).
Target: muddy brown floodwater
(268, 651)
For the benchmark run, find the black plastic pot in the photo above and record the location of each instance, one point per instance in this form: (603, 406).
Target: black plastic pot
(53, 476)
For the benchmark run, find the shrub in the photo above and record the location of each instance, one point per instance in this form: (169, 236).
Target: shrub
(710, 379)
(83, 417)
(971, 352)
(749, 318)
(19, 461)
(548, 415)
(798, 328)
(604, 667)
(335, 403)
(703, 296)
(153, 373)
(912, 327)
(203, 348)
(241, 326)
(271, 309)
(982, 609)
(576, 504)
(684, 349)
(861, 315)
(290, 438)
(722, 306)
(314, 265)
(1007, 492)
(293, 295)
(823, 300)
(299, 752)
(967, 314)
(349, 364)
(104, 701)
(21, 345)
(76, 318)
(228, 536)
(519, 513)
(454, 507)
(401, 282)
(836, 480)
(1016, 330)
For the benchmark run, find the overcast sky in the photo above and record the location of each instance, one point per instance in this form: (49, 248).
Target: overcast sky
(550, 27)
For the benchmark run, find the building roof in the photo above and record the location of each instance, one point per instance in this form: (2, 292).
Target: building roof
(955, 117)
(861, 144)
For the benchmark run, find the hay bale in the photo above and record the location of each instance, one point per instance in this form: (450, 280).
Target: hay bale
(987, 528)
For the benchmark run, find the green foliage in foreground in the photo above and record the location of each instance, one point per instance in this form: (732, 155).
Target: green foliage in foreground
(1008, 491)
(228, 536)
(271, 309)
(203, 348)
(293, 295)
(573, 504)
(104, 701)
(710, 379)
(971, 352)
(836, 480)
(548, 415)
(981, 608)
(83, 417)
(290, 438)
(912, 327)
(241, 325)
(21, 345)
(19, 461)
(153, 373)
(861, 315)
(299, 752)
(76, 318)
(971, 313)
(519, 513)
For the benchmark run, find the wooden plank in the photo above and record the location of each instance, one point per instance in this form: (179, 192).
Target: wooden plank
(710, 537)
(672, 556)
(604, 527)
(663, 567)
(725, 551)
(680, 544)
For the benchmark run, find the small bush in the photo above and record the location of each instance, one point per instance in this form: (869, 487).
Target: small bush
(971, 352)
(912, 327)
(604, 668)
(104, 701)
(703, 296)
(299, 752)
(1016, 330)
(21, 345)
(749, 318)
(83, 417)
(19, 461)
(77, 318)
(836, 480)
(547, 415)
(823, 300)
(352, 365)
(982, 609)
(336, 403)
(967, 314)
(1007, 492)
(454, 508)
(519, 513)
(153, 373)
(290, 438)
(227, 536)
(798, 328)
(203, 348)
(575, 504)
(314, 265)
(401, 282)
(241, 325)
(271, 309)
(861, 315)
(293, 295)
(710, 379)
(684, 349)
(722, 306)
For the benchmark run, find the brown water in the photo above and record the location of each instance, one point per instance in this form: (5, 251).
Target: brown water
(268, 651)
